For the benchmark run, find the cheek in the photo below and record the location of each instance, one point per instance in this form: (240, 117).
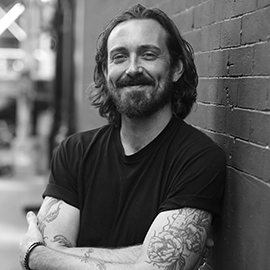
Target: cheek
(163, 77)
(114, 73)
(158, 71)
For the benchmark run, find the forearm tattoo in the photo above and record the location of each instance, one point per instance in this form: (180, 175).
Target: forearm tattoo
(62, 240)
(92, 263)
(86, 259)
(50, 212)
(184, 234)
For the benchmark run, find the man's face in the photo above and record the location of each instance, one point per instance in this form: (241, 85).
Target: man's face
(138, 70)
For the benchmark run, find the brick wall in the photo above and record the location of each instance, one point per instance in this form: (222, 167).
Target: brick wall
(231, 41)
(232, 54)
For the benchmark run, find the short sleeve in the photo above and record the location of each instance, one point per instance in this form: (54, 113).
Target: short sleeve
(64, 173)
(199, 182)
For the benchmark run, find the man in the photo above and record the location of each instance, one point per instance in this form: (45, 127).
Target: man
(142, 191)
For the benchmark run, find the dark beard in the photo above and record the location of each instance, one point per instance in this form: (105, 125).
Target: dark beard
(136, 104)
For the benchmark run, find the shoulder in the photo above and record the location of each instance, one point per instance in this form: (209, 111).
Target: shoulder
(86, 137)
(186, 133)
(194, 134)
(79, 142)
(196, 143)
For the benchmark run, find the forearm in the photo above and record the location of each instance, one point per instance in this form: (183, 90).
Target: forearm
(45, 258)
(175, 240)
(117, 255)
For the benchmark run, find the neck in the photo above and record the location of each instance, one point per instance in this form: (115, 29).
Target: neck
(136, 133)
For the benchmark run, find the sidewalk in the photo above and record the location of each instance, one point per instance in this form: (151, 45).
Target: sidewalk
(15, 196)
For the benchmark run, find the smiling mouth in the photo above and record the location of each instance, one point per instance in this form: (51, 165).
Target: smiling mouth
(137, 86)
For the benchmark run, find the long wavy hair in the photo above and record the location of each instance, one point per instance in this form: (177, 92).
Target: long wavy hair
(184, 90)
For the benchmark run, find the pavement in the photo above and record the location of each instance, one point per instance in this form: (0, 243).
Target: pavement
(16, 196)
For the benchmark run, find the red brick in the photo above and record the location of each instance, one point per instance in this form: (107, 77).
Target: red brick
(264, 24)
(222, 9)
(166, 7)
(152, 3)
(253, 93)
(248, 158)
(205, 39)
(227, 9)
(227, 92)
(216, 116)
(241, 61)
(202, 14)
(207, 90)
(256, 26)
(202, 64)
(263, 3)
(215, 33)
(246, 207)
(200, 1)
(250, 28)
(260, 128)
(217, 11)
(197, 16)
(178, 6)
(238, 123)
(266, 166)
(218, 63)
(190, 3)
(171, 7)
(184, 20)
(210, 37)
(230, 33)
(262, 59)
(197, 116)
(194, 38)
(242, 6)
(220, 91)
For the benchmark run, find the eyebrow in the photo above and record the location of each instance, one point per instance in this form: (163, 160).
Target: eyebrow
(150, 47)
(141, 48)
(117, 49)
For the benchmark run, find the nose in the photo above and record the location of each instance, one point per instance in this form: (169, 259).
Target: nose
(133, 67)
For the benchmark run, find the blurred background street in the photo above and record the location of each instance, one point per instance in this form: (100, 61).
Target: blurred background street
(16, 197)
(43, 82)
(27, 72)
(35, 112)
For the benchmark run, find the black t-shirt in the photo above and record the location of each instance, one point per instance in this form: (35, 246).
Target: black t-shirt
(119, 196)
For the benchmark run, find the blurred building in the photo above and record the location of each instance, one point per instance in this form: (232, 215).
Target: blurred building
(47, 50)
(36, 82)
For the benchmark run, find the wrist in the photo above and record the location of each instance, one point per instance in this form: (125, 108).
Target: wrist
(27, 263)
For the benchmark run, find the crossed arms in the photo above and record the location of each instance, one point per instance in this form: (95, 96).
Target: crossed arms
(175, 241)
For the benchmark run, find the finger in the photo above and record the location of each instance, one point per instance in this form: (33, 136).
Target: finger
(206, 253)
(31, 218)
(209, 242)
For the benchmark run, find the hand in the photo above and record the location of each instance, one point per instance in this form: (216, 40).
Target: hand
(209, 244)
(33, 235)
(206, 252)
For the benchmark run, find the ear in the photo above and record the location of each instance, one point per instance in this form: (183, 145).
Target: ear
(178, 71)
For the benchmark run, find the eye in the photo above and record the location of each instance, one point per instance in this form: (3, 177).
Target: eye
(118, 58)
(149, 55)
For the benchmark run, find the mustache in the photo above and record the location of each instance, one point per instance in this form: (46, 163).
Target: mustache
(128, 80)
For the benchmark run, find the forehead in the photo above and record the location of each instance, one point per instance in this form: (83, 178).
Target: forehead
(137, 32)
